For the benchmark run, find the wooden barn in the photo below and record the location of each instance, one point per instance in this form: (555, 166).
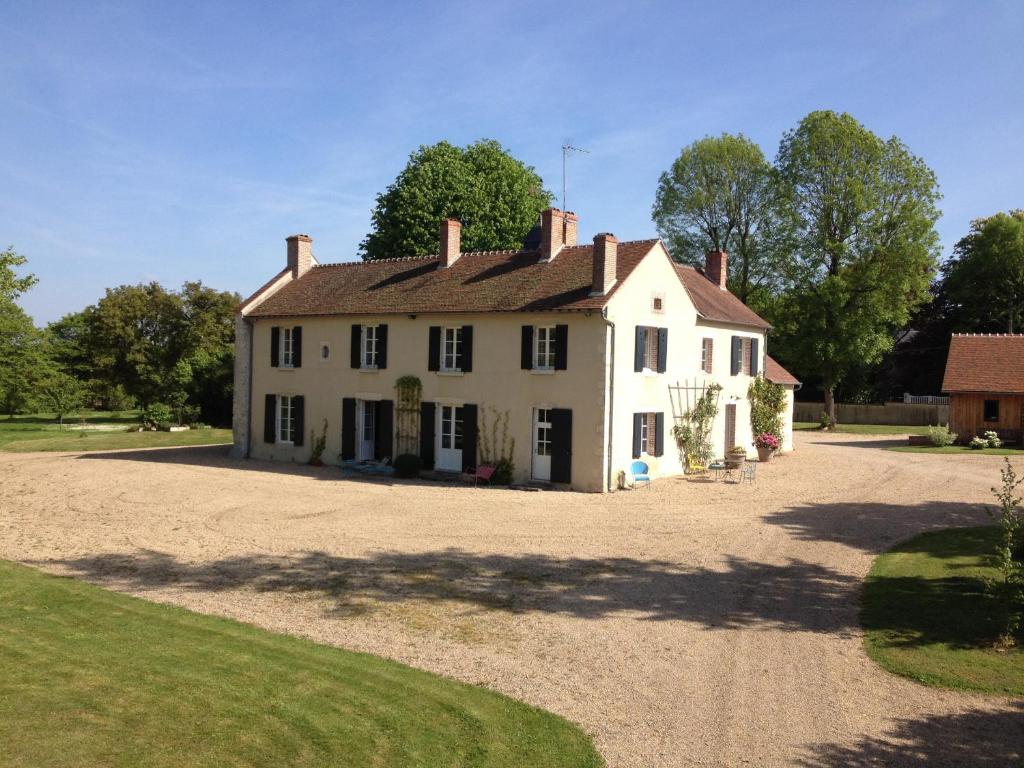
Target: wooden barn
(985, 382)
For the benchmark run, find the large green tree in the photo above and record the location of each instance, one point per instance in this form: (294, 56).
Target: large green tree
(22, 357)
(495, 196)
(11, 284)
(722, 194)
(866, 246)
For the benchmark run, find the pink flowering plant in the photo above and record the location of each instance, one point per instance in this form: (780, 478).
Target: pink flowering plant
(767, 440)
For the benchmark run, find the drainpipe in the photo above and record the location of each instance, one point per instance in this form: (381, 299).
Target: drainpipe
(610, 410)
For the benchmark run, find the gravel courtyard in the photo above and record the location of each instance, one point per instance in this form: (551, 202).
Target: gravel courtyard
(689, 624)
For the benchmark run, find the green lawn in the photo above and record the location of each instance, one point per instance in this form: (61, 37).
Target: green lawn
(102, 432)
(955, 449)
(94, 678)
(864, 429)
(927, 615)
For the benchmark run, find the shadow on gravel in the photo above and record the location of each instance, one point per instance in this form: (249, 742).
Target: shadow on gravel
(797, 596)
(874, 527)
(978, 739)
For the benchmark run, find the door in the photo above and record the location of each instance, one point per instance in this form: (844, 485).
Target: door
(449, 438)
(367, 429)
(541, 444)
(730, 426)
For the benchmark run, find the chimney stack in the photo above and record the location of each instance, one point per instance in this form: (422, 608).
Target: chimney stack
(716, 268)
(606, 249)
(451, 241)
(569, 230)
(552, 233)
(300, 255)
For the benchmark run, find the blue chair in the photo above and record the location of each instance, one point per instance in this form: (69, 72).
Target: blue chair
(639, 470)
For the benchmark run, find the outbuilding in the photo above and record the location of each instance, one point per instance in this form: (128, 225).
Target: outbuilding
(985, 382)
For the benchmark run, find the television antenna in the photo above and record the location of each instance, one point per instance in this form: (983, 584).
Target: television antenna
(566, 149)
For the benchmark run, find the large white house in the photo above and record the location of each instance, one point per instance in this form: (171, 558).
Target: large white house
(583, 355)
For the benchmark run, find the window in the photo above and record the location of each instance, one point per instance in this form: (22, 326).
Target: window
(287, 347)
(325, 351)
(451, 352)
(658, 303)
(285, 419)
(991, 410)
(745, 351)
(544, 354)
(370, 346)
(543, 447)
(651, 344)
(451, 428)
(706, 355)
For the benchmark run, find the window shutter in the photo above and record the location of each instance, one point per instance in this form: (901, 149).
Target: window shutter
(754, 357)
(356, 354)
(638, 351)
(662, 349)
(275, 347)
(561, 445)
(561, 347)
(382, 346)
(737, 346)
(434, 349)
(659, 434)
(467, 349)
(297, 349)
(270, 418)
(299, 411)
(348, 428)
(638, 431)
(427, 415)
(385, 430)
(469, 427)
(526, 348)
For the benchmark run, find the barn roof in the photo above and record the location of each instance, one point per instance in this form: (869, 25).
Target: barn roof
(984, 362)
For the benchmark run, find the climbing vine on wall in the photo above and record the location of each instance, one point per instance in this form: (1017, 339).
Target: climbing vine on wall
(496, 447)
(693, 428)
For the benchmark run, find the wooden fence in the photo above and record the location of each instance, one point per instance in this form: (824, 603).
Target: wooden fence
(902, 414)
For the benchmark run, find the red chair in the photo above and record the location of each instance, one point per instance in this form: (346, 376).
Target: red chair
(483, 472)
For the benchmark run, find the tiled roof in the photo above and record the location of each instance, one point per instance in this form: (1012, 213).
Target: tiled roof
(713, 303)
(985, 363)
(479, 281)
(776, 373)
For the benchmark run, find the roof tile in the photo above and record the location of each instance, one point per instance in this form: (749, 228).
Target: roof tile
(713, 303)
(985, 363)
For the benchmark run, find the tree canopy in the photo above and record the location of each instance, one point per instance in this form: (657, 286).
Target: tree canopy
(495, 196)
(11, 285)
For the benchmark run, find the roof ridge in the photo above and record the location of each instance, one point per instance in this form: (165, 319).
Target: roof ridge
(989, 335)
(373, 261)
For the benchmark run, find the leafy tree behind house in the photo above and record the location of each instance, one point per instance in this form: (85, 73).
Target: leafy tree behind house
(495, 196)
(22, 359)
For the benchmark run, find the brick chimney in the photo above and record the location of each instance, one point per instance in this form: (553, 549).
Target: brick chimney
(569, 230)
(451, 241)
(717, 267)
(300, 254)
(552, 233)
(606, 249)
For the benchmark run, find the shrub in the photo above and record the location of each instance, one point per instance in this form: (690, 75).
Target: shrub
(165, 426)
(977, 443)
(503, 472)
(941, 436)
(992, 439)
(767, 404)
(157, 414)
(408, 465)
(1009, 593)
(824, 421)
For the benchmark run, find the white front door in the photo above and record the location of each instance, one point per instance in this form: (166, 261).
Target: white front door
(449, 438)
(366, 439)
(541, 444)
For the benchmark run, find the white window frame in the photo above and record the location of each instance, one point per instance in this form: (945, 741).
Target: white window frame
(544, 348)
(369, 347)
(285, 418)
(451, 349)
(648, 427)
(287, 350)
(651, 349)
(543, 436)
(704, 367)
(455, 433)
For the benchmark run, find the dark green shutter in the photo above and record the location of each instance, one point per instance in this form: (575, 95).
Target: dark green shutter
(384, 445)
(638, 350)
(348, 428)
(297, 349)
(526, 349)
(561, 347)
(638, 431)
(275, 347)
(754, 357)
(270, 419)
(434, 349)
(427, 416)
(469, 426)
(382, 346)
(659, 434)
(466, 365)
(356, 351)
(561, 445)
(737, 351)
(299, 415)
(662, 349)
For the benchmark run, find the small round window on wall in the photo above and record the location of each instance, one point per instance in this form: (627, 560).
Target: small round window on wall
(325, 351)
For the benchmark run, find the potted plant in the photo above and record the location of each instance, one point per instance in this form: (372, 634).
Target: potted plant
(735, 456)
(766, 444)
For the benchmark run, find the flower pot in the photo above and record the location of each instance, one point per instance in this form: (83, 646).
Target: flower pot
(735, 459)
(764, 453)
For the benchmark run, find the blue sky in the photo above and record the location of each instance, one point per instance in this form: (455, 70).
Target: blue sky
(178, 141)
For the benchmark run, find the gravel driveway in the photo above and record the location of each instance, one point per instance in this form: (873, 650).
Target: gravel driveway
(689, 624)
